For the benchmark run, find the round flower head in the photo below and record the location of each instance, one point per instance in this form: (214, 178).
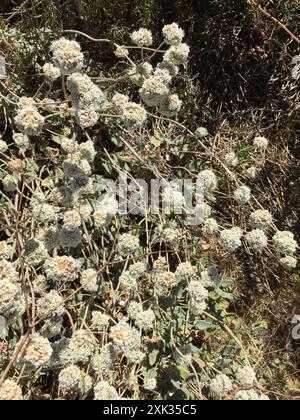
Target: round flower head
(29, 121)
(196, 307)
(201, 133)
(210, 227)
(230, 239)
(89, 280)
(197, 291)
(51, 72)
(221, 386)
(6, 251)
(69, 145)
(134, 308)
(173, 34)
(72, 219)
(3, 146)
(288, 263)
(9, 183)
(99, 320)
(170, 235)
(8, 272)
(52, 304)
(52, 327)
(125, 337)
(10, 391)
(135, 356)
(257, 240)
(145, 320)
(21, 141)
(67, 55)
(231, 160)
(104, 391)
(35, 353)
(165, 279)
(153, 91)
(260, 219)
(251, 172)
(70, 238)
(285, 243)
(128, 282)
(85, 94)
(103, 362)
(171, 106)
(208, 180)
(128, 244)
(163, 75)
(25, 101)
(177, 54)
(121, 52)
(138, 74)
(87, 117)
(246, 377)
(160, 265)
(171, 68)
(69, 379)
(150, 384)
(85, 210)
(185, 271)
(62, 268)
(247, 395)
(138, 270)
(142, 38)
(261, 143)
(40, 285)
(210, 277)
(79, 348)
(134, 114)
(35, 252)
(119, 101)
(10, 293)
(87, 151)
(242, 195)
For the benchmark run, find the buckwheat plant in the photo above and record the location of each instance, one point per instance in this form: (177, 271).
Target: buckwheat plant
(98, 301)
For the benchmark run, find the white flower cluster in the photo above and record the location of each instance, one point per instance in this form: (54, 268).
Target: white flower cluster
(221, 386)
(51, 72)
(242, 195)
(87, 98)
(67, 55)
(261, 143)
(142, 37)
(231, 160)
(260, 219)
(126, 338)
(12, 300)
(104, 391)
(285, 243)
(10, 391)
(143, 319)
(230, 239)
(90, 280)
(199, 295)
(257, 240)
(128, 244)
(35, 354)
(29, 121)
(105, 210)
(103, 362)
(63, 268)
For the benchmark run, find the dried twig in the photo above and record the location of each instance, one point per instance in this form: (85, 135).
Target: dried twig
(278, 22)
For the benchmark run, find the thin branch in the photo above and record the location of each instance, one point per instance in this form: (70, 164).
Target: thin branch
(278, 22)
